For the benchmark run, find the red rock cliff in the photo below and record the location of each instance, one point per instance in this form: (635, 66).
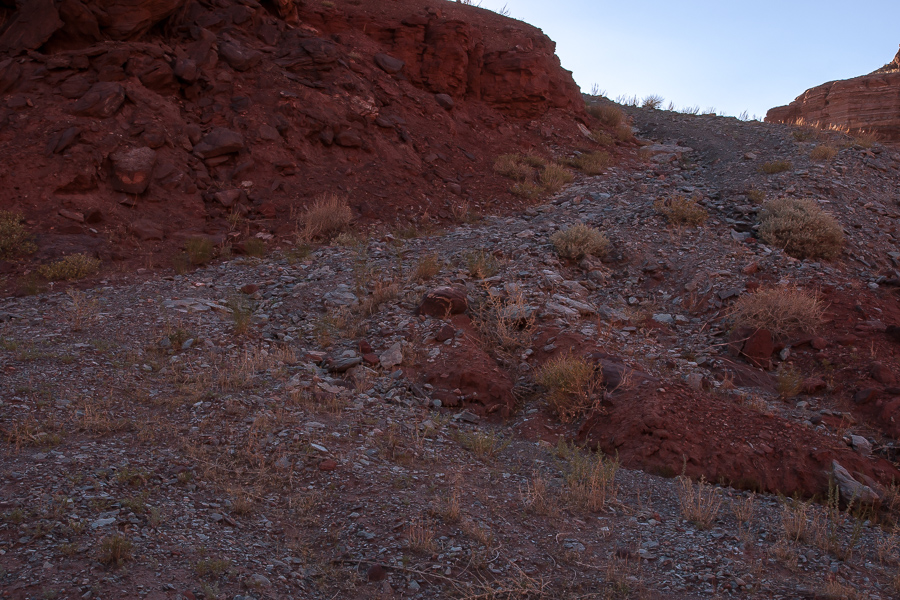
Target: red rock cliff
(126, 125)
(870, 102)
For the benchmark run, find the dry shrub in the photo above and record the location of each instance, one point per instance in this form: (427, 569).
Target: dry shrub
(699, 504)
(481, 264)
(756, 195)
(788, 381)
(579, 240)
(538, 497)
(590, 479)
(330, 214)
(608, 114)
(554, 177)
(781, 310)
(14, 238)
(624, 133)
(801, 228)
(654, 101)
(420, 536)
(591, 163)
(69, 268)
(572, 383)
(865, 139)
(506, 323)
(115, 550)
(199, 250)
(427, 267)
(795, 520)
(484, 444)
(527, 190)
(680, 210)
(775, 166)
(823, 152)
(512, 166)
(603, 138)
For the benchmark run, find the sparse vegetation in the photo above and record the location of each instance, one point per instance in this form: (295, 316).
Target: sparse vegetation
(70, 268)
(591, 163)
(427, 267)
(680, 210)
(590, 478)
(607, 113)
(580, 240)
(255, 247)
(554, 177)
(329, 215)
(823, 152)
(116, 550)
(512, 166)
(14, 238)
(699, 503)
(775, 166)
(481, 264)
(801, 228)
(199, 250)
(572, 384)
(483, 444)
(781, 310)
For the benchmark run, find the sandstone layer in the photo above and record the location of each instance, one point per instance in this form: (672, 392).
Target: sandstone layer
(869, 103)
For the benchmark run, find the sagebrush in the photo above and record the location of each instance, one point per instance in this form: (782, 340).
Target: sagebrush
(801, 228)
(782, 310)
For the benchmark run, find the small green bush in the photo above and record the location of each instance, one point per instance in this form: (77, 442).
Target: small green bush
(572, 383)
(801, 228)
(14, 238)
(578, 241)
(199, 250)
(70, 268)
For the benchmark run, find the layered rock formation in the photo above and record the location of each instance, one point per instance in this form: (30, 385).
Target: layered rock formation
(144, 113)
(870, 103)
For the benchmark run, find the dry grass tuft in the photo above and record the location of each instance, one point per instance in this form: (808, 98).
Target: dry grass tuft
(116, 550)
(199, 250)
(775, 166)
(554, 177)
(538, 498)
(823, 152)
(590, 478)
(681, 211)
(329, 215)
(608, 114)
(420, 536)
(572, 383)
(70, 268)
(527, 190)
(591, 163)
(427, 267)
(512, 166)
(699, 503)
(481, 264)
(483, 444)
(14, 238)
(580, 240)
(781, 310)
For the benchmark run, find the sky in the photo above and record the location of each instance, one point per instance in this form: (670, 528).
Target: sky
(728, 55)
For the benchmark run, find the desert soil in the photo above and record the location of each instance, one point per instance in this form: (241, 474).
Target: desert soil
(290, 427)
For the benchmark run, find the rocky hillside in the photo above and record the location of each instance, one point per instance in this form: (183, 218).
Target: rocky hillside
(870, 103)
(127, 127)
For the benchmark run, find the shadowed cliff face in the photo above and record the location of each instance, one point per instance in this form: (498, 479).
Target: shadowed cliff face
(142, 113)
(870, 102)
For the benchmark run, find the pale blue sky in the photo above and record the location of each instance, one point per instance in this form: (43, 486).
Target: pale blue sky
(732, 56)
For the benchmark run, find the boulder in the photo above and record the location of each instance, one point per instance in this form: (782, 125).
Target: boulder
(238, 57)
(132, 169)
(850, 489)
(444, 301)
(102, 100)
(218, 142)
(388, 63)
(758, 348)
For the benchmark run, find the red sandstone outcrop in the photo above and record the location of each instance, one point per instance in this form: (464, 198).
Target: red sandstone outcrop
(870, 102)
(146, 111)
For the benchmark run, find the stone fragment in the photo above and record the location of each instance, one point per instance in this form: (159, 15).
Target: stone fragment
(758, 348)
(850, 489)
(348, 139)
(238, 57)
(71, 215)
(376, 573)
(145, 229)
(31, 25)
(392, 357)
(328, 465)
(445, 100)
(218, 142)
(103, 100)
(388, 63)
(132, 169)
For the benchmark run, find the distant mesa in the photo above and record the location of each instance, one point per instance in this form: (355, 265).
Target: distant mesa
(870, 102)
